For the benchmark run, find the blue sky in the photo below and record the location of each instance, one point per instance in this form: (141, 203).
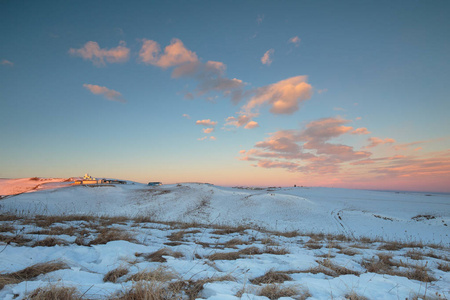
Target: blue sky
(378, 65)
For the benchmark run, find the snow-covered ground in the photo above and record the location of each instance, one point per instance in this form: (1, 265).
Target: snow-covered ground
(391, 215)
(279, 233)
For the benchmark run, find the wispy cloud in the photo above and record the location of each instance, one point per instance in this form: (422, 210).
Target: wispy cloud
(242, 120)
(266, 59)
(295, 40)
(362, 130)
(6, 62)
(375, 141)
(186, 116)
(105, 92)
(208, 130)
(92, 51)
(260, 19)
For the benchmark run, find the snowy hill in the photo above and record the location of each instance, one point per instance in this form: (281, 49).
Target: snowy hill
(391, 215)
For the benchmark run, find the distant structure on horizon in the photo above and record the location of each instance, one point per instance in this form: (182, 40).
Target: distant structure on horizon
(154, 183)
(87, 179)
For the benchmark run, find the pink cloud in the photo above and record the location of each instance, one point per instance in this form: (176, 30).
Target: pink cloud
(309, 149)
(186, 116)
(251, 125)
(362, 130)
(208, 130)
(267, 59)
(295, 40)
(213, 138)
(206, 122)
(92, 51)
(203, 138)
(284, 97)
(6, 62)
(374, 141)
(105, 92)
(242, 120)
(174, 54)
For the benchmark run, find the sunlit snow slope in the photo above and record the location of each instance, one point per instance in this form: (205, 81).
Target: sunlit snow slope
(391, 215)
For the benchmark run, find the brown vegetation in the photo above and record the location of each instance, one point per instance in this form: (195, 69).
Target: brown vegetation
(114, 275)
(53, 292)
(271, 277)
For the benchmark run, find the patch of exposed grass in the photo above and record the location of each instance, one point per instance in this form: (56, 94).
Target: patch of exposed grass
(112, 234)
(275, 291)
(157, 256)
(114, 275)
(30, 272)
(192, 288)
(414, 254)
(275, 250)
(271, 277)
(49, 242)
(313, 245)
(223, 230)
(338, 270)
(54, 292)
(225, 256)
(349, 252)
(6, 228)
(144, 290)
(16, 239)
(176, 236)
(354, 296)
(161, 274)
(444, 267)
(234, 242)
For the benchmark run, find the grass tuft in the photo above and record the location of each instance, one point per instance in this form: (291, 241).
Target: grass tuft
(114, 275)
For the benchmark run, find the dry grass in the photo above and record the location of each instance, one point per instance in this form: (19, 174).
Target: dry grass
(53, 292)
(16, 239)
(275, 250)
(384, 265)
(275, 291)
(268, 241)
(288, 234)
(114, 275)
(234, 242)
(394, 245)
(47, 221)
(354, 296)
(223, 230)
(157, 256)
(444, 267)
(225, 256)
(349, 252)
(192, 288)
(6, 228)
(271, 277)
(338, 270)
(112, 234)
(49, 242)
(313, 245)
(57, 230)
(30, 272)
(160, 274)
(144, 290)
(414, 254)
(176, 236)
(250, 251)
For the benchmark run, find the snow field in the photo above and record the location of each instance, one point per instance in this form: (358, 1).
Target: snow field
(213, 262)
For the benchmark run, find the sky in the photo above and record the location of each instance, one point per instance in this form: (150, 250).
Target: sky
(350, 94)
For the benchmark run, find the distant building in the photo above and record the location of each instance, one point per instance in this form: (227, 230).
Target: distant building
(155, 183)
(87, 179)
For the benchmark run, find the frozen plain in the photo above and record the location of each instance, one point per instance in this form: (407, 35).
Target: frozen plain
(407, 217)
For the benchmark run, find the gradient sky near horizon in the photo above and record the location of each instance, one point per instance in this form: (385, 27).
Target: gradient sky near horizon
(264, 93)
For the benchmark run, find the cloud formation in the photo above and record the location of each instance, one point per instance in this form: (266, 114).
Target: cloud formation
(6, 62)
(208, 130)
(105, 92)
(206, 122)
(308, 150)
(267, 57)
(186, 116)
(375, 141)
(283, 97)
(174, 54)
(362, 130)
(295, 40)
(92, 51)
